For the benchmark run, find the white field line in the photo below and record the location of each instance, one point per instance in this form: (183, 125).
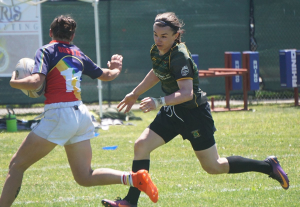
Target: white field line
(74, 199)
(66, 166)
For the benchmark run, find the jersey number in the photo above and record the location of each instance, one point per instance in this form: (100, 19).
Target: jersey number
(72, 79)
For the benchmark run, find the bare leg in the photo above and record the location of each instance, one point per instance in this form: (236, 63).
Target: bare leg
(213, 164)
(146, 143)
(31, 150)
(211, 161)
(80, 156)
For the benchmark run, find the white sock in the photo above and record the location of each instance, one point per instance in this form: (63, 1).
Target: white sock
(126, 179)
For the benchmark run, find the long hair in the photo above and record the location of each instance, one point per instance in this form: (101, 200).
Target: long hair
(170, 19)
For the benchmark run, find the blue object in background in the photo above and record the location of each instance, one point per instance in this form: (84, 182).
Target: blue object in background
(110, 147)
(196, 59)
(252, 61)
(298, 67)
(288, 68)
(236, 62)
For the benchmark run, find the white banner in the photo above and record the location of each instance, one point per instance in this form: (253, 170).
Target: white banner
(20, 34)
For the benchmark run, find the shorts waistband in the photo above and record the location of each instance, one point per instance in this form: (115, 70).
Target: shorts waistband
(62, 105)
(48, 107)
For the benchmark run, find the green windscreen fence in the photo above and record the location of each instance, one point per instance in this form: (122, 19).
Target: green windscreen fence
(211, 28)
(277, 28)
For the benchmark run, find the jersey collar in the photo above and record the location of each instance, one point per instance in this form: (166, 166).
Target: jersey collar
(171, 49)
(63, 42)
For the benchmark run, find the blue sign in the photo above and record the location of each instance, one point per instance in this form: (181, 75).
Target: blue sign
(236, 62)
(288, 68)
(252, 64)
(196, 59)
(298, 67)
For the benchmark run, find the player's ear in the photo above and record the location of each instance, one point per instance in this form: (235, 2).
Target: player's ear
(50, 33)
(176, 35)
(72, 37)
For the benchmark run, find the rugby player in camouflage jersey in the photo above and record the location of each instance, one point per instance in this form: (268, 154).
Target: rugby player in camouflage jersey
(174, 66)
(183, 110)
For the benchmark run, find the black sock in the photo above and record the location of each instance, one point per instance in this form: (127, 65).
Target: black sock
(239, 164)
(134, 193)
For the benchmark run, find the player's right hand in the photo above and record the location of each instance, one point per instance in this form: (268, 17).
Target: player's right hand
(127, 102)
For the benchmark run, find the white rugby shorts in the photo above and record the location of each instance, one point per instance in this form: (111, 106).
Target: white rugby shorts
(65, 123)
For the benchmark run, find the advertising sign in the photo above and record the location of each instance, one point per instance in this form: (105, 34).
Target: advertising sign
(288, 68)
(234, 60)
(251, 62)
(20, 34)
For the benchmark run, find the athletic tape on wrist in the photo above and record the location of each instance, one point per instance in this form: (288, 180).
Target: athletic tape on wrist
(159, 102)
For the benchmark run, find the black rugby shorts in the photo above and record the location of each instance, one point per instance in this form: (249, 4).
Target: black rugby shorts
(196, 125)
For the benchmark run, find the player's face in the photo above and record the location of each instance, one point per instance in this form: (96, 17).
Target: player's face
(164, 38)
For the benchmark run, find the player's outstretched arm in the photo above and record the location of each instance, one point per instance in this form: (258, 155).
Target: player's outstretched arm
(185, 93)
(115, 68)
(149, 81)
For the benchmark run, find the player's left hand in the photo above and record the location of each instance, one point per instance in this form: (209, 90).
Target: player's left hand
(115, 62)
(147, 104)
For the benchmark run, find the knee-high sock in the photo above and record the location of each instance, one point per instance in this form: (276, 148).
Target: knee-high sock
(134, 193)
(239, 164)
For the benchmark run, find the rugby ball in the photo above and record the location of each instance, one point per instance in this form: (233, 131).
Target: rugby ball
(23, 69)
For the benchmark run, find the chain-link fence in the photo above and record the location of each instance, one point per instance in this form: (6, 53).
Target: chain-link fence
(212, 27)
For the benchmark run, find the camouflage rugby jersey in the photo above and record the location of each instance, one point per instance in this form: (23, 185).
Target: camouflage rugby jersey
(177, 64)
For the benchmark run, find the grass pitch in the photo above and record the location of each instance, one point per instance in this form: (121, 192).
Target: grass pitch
(269, 130)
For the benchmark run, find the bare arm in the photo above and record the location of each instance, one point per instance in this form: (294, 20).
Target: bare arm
(185, 93)
(29, 83)
(115, 68)
(148, 82)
